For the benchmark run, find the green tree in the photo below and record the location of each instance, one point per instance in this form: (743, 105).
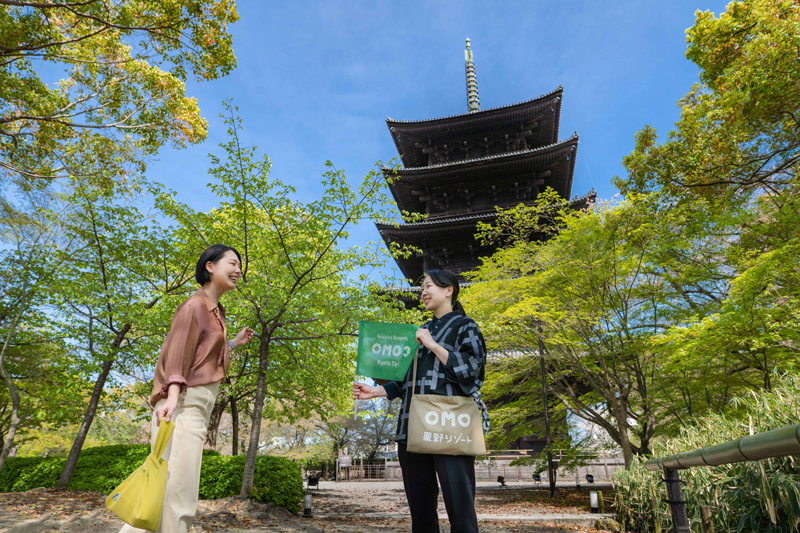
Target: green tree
(735, 150)
(602, 286)
(588, 289)
(299, 289)
(737, 132)
(32, 263)
(122, 95)
(125, 265)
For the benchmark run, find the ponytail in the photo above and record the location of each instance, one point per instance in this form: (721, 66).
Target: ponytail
(457, 307)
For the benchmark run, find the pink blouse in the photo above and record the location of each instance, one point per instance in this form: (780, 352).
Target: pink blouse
(196, 350)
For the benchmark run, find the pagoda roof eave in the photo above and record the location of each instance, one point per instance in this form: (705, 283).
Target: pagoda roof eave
(403, 173)
(439, 222)
(407, 134)
(415, 289)
(456, 225)
(476, 114)
(558, 160)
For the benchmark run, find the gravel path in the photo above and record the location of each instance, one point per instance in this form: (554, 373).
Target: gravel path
(47, 510)
(389, 497)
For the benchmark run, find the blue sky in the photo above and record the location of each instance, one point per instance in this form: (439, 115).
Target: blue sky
(316, 80)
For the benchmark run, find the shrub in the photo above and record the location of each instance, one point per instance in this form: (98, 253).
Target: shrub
(102, 468)
(277, 480)
(750, 496)
(25, 473)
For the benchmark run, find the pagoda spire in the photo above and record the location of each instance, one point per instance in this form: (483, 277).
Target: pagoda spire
(473, 102)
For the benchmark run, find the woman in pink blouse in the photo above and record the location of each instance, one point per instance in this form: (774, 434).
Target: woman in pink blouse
(192, 364)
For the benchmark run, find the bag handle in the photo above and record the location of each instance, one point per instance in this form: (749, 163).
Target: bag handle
(162, 439)
(414, 375)
(416, 356)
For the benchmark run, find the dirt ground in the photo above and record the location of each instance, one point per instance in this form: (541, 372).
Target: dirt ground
(389, 497)
(47, 510)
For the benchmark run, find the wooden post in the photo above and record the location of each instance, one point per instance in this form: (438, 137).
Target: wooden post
(600, 505)
(680, 520)
(705, 519)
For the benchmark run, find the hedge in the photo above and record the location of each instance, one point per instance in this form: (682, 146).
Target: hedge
(102, 468)
(277, 480)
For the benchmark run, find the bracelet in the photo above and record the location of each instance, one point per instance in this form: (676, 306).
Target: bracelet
(230, 343)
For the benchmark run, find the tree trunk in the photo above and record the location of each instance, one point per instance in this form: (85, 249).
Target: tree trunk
(336, 449)
(255, 428)
(235, 425)
(13, 392)
(621, 415)
(8, 443)
(213, 422)
(75, 451)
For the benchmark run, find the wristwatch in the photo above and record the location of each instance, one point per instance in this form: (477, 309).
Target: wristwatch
(230, 343)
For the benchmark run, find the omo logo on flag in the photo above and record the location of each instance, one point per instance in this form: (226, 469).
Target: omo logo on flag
(385, 350)
(388, 349)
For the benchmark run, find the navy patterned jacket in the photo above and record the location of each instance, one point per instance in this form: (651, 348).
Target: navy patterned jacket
(462, 376)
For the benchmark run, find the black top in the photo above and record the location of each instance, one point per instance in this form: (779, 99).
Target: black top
(461, 376)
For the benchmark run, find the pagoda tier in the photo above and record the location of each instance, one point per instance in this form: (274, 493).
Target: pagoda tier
(477, 134)
(480, 185)
(448, 243)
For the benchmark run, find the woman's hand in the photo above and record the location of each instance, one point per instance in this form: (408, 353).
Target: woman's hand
(171, 403)
(243, 337)
(362, 391)
(166, 410)
(425, 339)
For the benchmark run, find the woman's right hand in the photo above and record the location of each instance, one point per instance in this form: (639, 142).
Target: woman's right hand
(362, 391)
(166, 410)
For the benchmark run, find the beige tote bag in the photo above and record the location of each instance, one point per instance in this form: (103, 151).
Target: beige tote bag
(444, 425)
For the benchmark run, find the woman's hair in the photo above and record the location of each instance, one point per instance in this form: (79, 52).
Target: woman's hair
(445, 278)
(213, 253)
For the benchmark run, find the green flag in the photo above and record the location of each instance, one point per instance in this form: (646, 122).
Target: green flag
(385, 351)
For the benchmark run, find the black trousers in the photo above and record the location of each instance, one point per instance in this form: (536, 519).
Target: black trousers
(457, 476)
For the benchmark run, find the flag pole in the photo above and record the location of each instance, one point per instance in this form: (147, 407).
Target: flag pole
(355, 406)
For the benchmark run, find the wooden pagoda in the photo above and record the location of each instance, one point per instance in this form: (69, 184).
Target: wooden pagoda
(457, 170)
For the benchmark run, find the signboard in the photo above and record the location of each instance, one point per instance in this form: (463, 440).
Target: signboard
(385, 351)
(346, 461)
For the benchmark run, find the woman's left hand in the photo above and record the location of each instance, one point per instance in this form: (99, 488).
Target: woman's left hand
(425, 339)
(243, 337)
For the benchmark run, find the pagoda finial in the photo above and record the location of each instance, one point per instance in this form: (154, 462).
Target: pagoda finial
(473, 102)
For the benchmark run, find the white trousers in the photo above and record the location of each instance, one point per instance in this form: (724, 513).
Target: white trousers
(184, 455)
